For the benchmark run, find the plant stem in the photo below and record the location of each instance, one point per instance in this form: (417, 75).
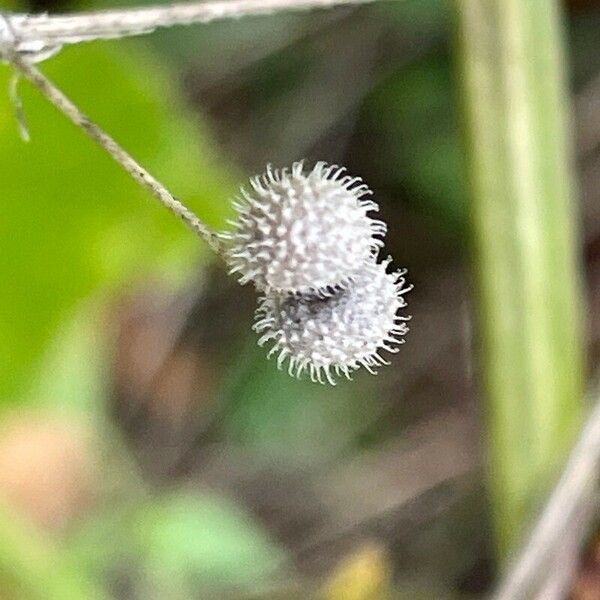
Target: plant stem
(567, 513)
(524, 246)
(141, 175)
(36, 32)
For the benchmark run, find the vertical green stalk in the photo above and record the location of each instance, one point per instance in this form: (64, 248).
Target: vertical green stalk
(524, 246)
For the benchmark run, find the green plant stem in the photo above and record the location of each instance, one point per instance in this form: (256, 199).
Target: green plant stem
(524, 246)
(33, 569)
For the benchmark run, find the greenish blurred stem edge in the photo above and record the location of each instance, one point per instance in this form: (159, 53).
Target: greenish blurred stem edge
(524, 247)
(31, 568)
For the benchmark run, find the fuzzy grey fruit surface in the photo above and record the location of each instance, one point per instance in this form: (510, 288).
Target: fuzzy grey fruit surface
(305, 232)
(338, 334)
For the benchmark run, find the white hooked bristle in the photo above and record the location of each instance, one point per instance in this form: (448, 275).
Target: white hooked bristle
(303, 232)
(337, 334)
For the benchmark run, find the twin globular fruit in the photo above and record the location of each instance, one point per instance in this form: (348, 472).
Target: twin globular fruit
(306, 241)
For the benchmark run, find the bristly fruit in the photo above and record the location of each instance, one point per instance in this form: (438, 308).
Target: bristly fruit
(337, 334)
(305, 232)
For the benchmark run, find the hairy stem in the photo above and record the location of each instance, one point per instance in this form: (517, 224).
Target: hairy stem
(55, 30)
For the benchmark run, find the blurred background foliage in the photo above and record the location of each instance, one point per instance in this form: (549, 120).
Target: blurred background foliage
(146, 445)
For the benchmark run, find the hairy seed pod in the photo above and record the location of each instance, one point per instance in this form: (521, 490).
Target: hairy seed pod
(339, 333)
(303, 232)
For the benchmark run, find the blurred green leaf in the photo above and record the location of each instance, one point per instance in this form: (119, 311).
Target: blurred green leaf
(203, 538)
(72, 221)
(73, 369)
(178, 545)
(412, 115)
(275, 415)
(418, 16)
(34, 568)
